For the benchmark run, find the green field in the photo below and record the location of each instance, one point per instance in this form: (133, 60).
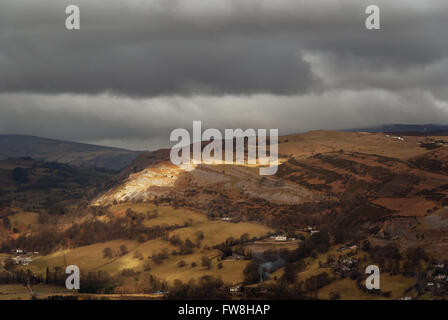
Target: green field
(90, 258)
(348, 289)
(231, 272)
(166, 214)
(20, 292)
(24, 219)
(215, 232)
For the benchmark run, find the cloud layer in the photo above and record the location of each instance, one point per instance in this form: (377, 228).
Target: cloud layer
(138, 69)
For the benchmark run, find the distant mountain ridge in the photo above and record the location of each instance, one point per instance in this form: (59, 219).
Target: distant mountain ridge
(74, 153)
(402, 128)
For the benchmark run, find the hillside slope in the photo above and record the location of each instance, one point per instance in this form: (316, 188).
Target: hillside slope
(79, 154)
(382, 186)
(33, 184)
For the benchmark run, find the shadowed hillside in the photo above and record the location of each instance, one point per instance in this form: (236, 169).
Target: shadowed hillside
(38, 185)
(80, 154)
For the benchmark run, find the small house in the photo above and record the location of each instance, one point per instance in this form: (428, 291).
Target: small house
(280, 238)
(235, 289)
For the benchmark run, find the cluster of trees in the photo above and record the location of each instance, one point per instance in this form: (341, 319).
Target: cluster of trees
(129, 281)
(291, 270)
(158, 258)
(252, 272)
(354, 218)
(232, 245)
(222, 206)
(19, 276)
(138, 217)
(108, 253)
(293, 259)
(412, 265)
(56, 276)
(389, 258)
(92, 282)
(185, 247)
(206, 287)
(288, 287)
(87, 233)
(314, 283)
(277, 291)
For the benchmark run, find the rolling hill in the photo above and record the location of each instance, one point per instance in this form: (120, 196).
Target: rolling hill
(432, 129)
(334, 192)
(33, 184)
(380, 184)
(74, 153)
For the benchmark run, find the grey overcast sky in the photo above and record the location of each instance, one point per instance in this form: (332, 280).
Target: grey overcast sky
(138, 69)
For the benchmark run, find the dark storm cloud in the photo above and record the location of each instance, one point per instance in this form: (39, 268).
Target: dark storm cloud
(145, 52)
(181, 67)
(151, 48)
(138, 69)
